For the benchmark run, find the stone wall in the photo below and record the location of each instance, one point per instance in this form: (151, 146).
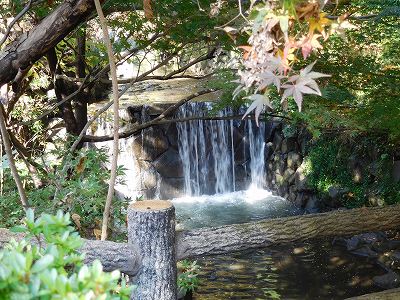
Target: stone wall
(161, 170)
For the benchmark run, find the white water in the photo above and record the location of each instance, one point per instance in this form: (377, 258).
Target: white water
(206, 149)
(204, 152)
(230, 208)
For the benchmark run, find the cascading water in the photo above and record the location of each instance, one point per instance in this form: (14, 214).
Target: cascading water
(256, 149)
(207, 151)
(205, 148)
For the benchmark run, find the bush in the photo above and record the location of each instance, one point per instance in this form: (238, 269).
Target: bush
(51, 268)
(81, 192)
(329, 164)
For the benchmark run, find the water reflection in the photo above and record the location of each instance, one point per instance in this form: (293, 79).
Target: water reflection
(312, 270)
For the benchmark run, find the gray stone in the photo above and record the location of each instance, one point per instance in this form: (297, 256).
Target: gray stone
(282, 164)
(172, 135)
(277, 141)
(294, 160)
(365, 251)
(301, 199)
(171, 188)
(288, 176)
(149, 175)
(151, 144)
(270, 130)
(388, 281)
(312, 205)
(336, 192)
(376, 200)
(269, 149)
(279, 179)
(169, 164)
(301, 179)
(289, 144)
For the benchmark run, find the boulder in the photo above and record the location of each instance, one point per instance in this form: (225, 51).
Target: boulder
(301, 179)
(336, 192)
(312, 205)
(301, 199)
(288, 176)
(171, 188)
(172, 135)
(268, 151)
(150, 145)
(376, 200)
(294, 160)
(169, 164)
(277, 141)
(289, 144)
(389, 280)
(271, 128)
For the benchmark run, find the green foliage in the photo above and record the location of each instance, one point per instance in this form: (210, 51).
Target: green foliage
(82, 192)
(330, 163)
(187, 278)
(52, 268)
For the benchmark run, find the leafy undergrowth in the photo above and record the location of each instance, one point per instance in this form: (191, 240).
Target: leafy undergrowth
(52, 268)
(81, 191)
(360, 168)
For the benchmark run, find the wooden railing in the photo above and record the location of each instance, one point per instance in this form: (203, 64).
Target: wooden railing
(154, 246)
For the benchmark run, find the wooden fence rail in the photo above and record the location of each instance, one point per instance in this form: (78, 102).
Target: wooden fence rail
(154, 247)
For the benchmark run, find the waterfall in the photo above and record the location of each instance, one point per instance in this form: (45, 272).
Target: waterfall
(256, 138)
(207, 149)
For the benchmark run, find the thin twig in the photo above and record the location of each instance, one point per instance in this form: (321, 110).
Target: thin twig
(114, 162)
(14, 171)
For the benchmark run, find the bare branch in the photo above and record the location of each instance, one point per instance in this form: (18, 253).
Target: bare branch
(114, 162)
(138, 128)
(7, 146)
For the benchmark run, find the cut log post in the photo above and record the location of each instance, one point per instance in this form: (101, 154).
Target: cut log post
(151, 229)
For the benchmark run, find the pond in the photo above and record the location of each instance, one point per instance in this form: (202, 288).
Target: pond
(310, 270)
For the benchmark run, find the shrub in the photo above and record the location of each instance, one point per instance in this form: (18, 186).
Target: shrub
(52, 268)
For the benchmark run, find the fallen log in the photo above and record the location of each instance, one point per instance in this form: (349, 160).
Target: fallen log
(231, 238)
(225, 239)
(392, 294)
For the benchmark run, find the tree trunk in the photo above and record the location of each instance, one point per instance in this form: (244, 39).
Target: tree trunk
(31, 46)
(225, 239)
(151, 228)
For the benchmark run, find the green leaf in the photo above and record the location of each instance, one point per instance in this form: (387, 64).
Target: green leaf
(42, 263)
